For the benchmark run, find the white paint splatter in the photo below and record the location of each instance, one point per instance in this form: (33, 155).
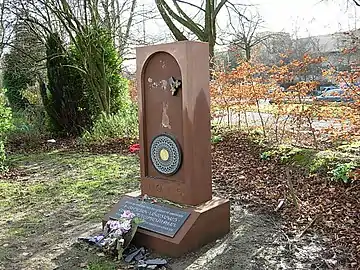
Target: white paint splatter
(163, 64)
(163, 84)
(154, 85)
(165, 121)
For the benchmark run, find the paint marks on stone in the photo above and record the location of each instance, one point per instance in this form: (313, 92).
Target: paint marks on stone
(165, 121)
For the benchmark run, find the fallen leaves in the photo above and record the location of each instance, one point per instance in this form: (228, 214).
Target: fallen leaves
(331, 209)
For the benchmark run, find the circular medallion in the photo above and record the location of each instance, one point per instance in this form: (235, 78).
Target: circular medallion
(165, 154)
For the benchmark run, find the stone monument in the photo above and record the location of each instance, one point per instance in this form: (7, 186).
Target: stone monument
(175, 151)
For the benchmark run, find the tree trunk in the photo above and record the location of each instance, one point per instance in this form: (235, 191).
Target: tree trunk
(248, 54)
(207, 33)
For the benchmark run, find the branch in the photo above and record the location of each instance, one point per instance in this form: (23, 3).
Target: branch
(235, 9)
(34, 21)
(219, 6)
(254, 28)
(195, 28)
(23, 52)
(129, 23)
(190, 4)
(260, 40)
(230, 21)
(188, 23)
(174, 30)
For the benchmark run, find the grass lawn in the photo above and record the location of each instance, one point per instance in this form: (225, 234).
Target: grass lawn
(56, 196)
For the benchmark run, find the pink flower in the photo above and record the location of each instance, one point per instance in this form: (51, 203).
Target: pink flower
(128, 214)
(113, 225)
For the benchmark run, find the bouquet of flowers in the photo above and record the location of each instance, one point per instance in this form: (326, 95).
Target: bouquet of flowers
(118, 233)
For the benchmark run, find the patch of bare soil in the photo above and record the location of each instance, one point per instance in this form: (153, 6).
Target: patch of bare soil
(12, 173)
(35, 243)
(45, 144)
(27, 145)
(255, 242)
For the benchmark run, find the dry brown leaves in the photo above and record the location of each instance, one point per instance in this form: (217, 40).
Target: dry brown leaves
(30, 144)
(240, 174)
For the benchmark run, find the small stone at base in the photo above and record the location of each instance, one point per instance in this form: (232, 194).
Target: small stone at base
(132, 255)
(156, 262)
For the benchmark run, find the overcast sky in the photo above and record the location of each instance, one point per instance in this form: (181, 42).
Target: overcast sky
(305, 17)
(314, 16)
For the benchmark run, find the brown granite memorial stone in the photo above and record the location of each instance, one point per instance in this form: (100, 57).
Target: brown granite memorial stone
(175, 151)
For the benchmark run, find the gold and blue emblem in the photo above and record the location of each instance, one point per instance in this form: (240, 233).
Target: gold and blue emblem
(165, 154)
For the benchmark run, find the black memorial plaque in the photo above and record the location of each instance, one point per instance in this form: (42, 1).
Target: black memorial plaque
(156, 218)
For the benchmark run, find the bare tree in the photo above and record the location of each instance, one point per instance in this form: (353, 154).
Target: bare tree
(348, 3)
(356, 2)
(43, 17)
(206, 12)
(6, 22)
(270, 51)
(113, 13)
(246, 32)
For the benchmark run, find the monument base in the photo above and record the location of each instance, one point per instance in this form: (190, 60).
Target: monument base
(206, 223)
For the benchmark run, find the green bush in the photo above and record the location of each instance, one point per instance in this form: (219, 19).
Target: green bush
(15, 81)
(5, 126)
(337, 164)
(287, 154)
(2, 156)
(342, 172)
(94, 53)
(123, 124)
(266, 155)
(21, 64)
(85, 82)
(216, 138)
(216, 135)
(64, 97)
(323, 161)
(28, 123)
